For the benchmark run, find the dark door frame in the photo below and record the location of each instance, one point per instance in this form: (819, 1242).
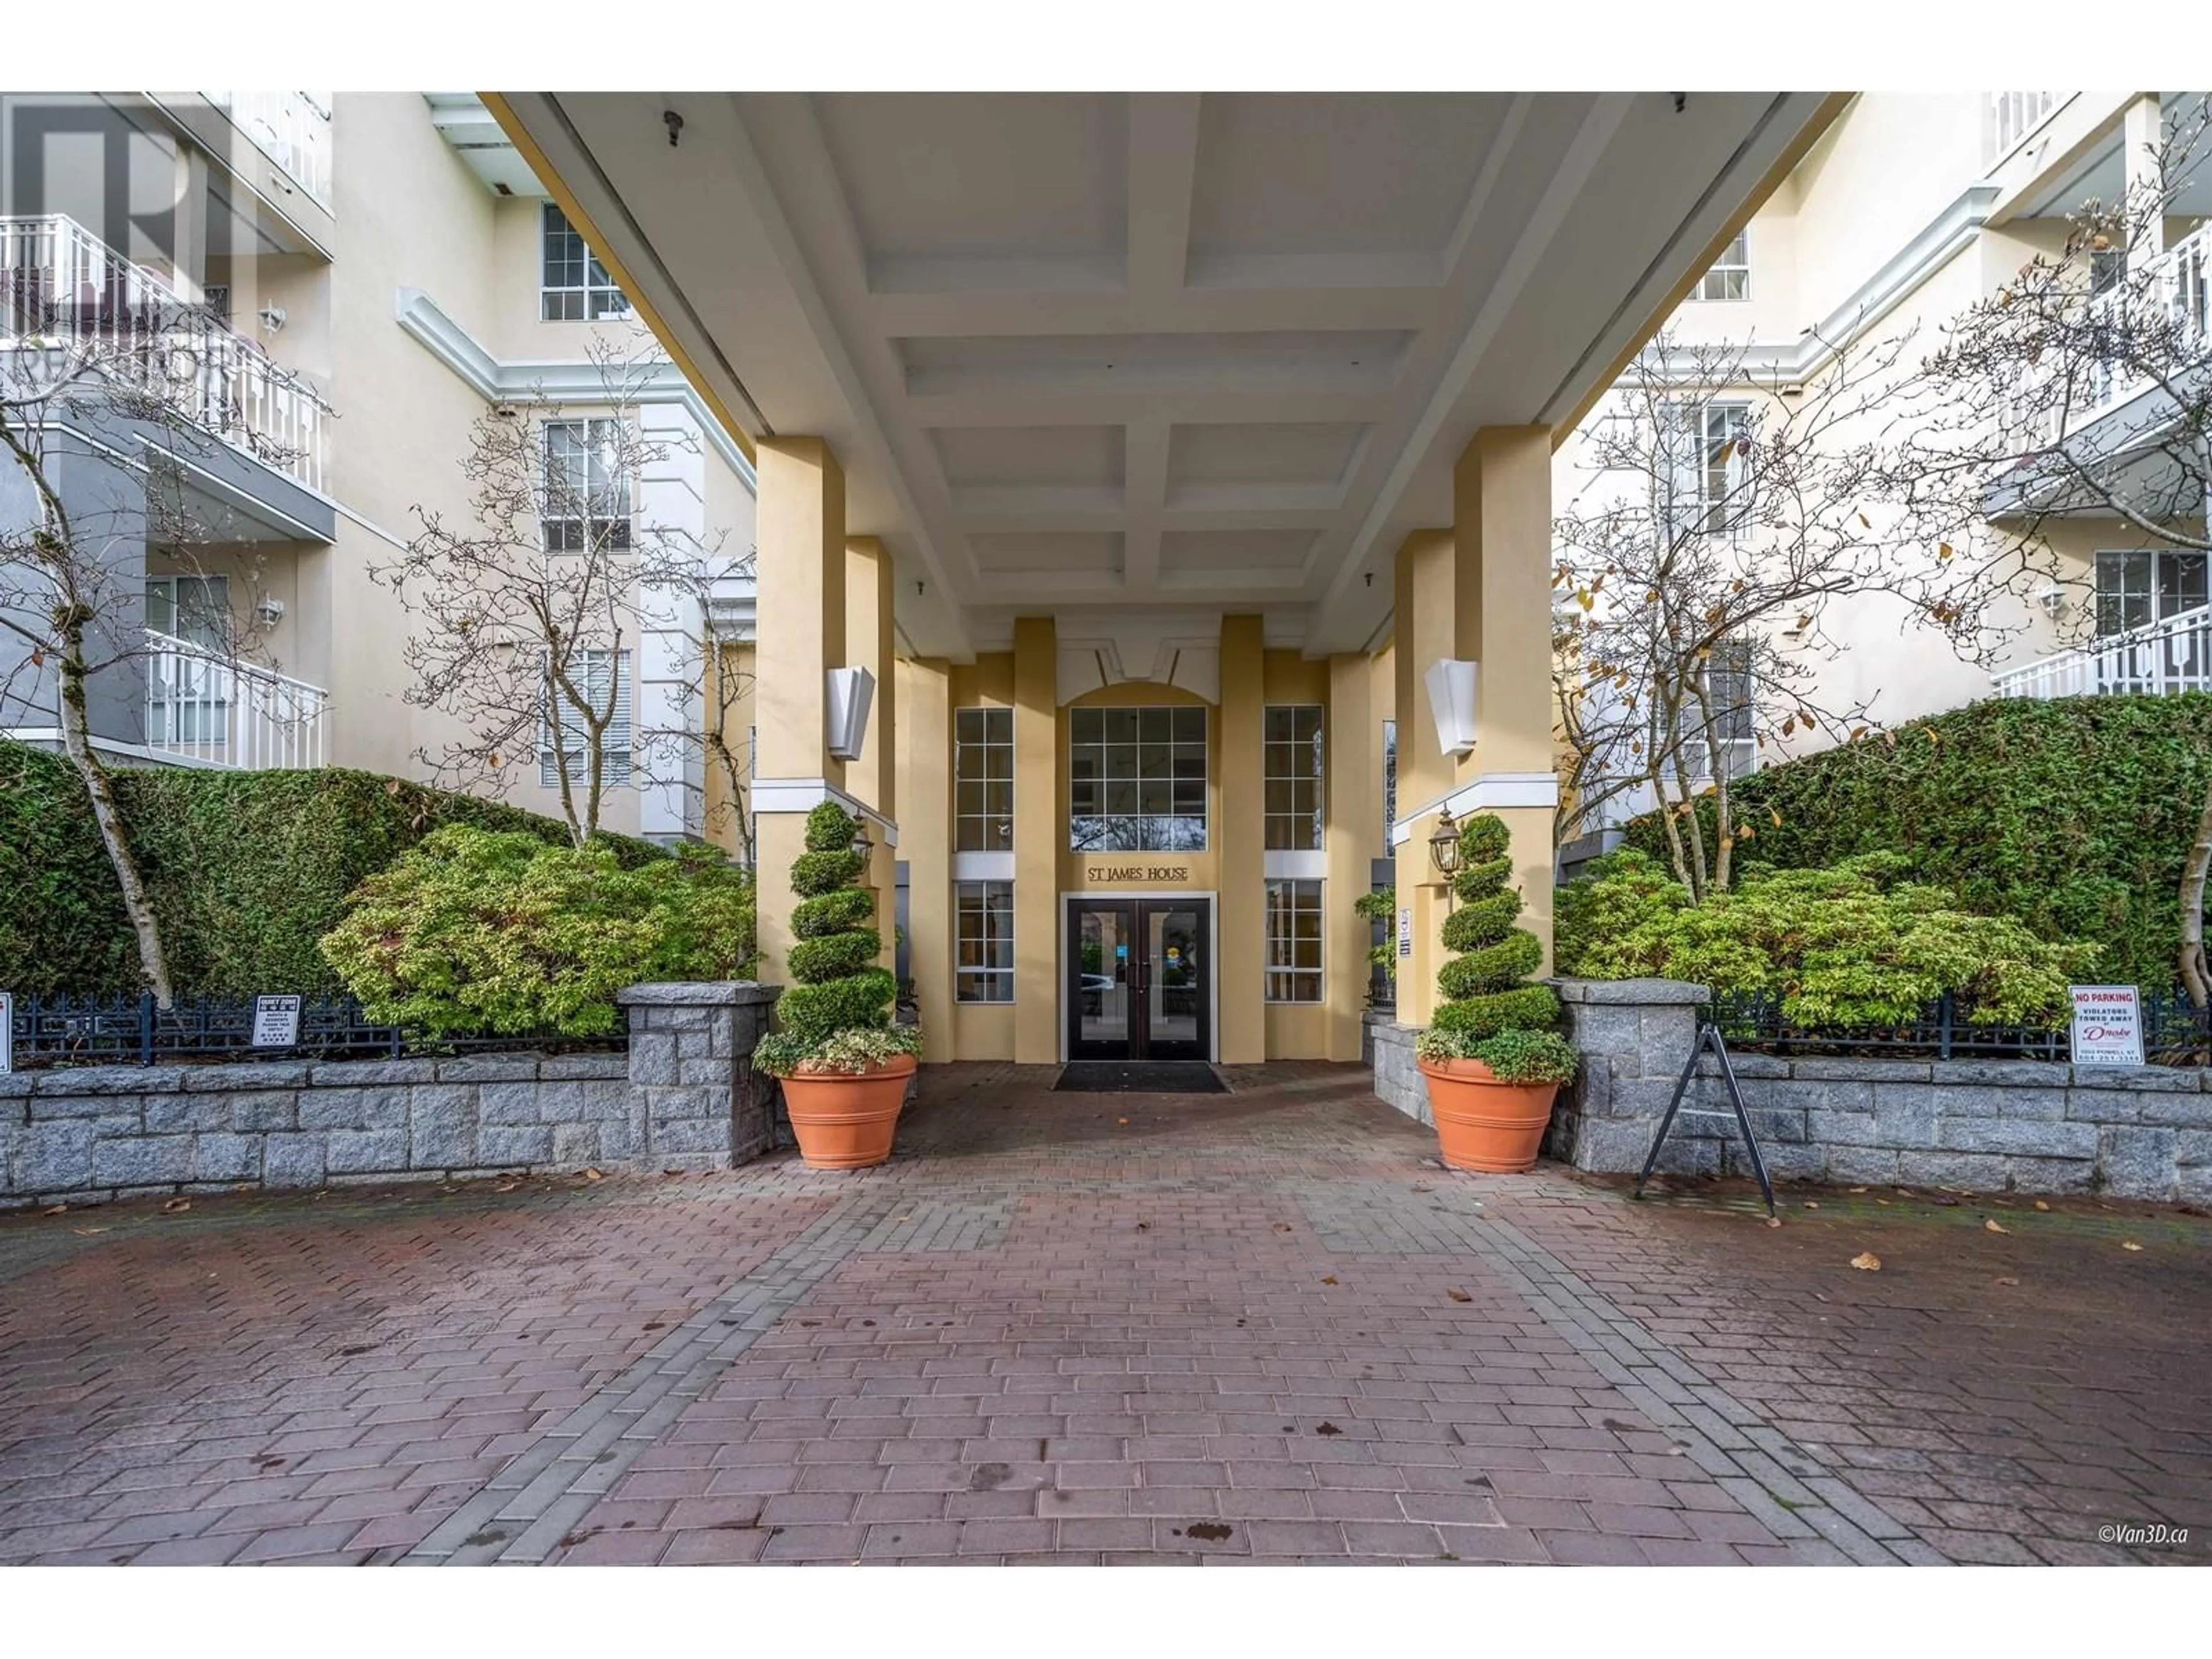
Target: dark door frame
(1136, 909)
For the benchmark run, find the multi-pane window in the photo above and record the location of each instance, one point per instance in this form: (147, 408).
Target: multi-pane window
(574, 286)
(1728, 740)
(1705, 446)
(188, 693)
(983, 780)
(591, 671)
(587, 505)
(1389, 779)
(1136, 780)
(1293, 778)
(983, 917)
(1729, 277)
(2140, 586)
(1294, 941)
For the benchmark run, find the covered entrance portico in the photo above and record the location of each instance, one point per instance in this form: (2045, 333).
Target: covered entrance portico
(1147, 453)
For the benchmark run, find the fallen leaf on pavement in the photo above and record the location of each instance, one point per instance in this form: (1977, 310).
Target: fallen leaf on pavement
(1994, 1225)
(1144, 1226)
(1883, 1202)
(1810, 1205)
(1459, 1296)
(2041, 1205)
(86, 1233)
(1858, 1189)
(2129, 1244)
(593, 1175)
(2008, 1281)
(1867, 1261)
(1329, 1280)
(176, 1206)
(1282, 1226)
(1121, 1119)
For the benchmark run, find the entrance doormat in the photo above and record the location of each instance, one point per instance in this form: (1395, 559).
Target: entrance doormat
(1149, 1077)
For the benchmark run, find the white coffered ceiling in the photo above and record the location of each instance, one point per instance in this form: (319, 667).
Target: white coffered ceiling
(1154, 356)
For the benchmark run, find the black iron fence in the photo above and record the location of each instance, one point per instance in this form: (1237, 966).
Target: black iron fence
(132, 1030)
(2174, 1033)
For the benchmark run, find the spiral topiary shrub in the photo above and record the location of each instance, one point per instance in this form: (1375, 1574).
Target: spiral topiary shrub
(1487, 1013)
(838, 989)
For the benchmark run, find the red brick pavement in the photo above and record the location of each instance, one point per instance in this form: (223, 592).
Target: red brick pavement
(1245, 1327)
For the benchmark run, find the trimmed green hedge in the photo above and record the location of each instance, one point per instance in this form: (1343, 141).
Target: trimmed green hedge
(2072, 815)
(247, 870)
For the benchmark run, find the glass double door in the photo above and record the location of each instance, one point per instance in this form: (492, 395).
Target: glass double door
(1138, 979)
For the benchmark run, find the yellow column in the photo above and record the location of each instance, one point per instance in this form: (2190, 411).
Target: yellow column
(924, 697)
(1355, 811)
(1240, 841)
(800, 535)
(873, 778)
(1502, 608)
(1039, 811)
(1423, 632)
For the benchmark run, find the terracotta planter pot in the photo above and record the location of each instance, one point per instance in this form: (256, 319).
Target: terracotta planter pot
(1482, 1124)
(845, 1120)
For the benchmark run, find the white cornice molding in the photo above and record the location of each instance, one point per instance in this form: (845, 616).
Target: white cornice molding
(571, 382)
(1935, 245)
(1488, 792)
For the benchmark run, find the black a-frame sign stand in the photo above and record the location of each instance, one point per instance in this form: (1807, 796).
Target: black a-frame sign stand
(1709, 1036)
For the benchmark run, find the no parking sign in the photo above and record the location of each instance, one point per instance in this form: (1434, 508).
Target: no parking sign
(2107, 1026)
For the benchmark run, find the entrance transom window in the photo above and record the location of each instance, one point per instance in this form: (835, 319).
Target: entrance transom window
(1136, 780)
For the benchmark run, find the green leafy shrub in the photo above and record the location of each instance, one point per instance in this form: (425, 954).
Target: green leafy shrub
(1855, 945)
(480, 931)
(2072, 816)
(246, 871)
(838, 1014)
(1486, 1010)
(1381, 904)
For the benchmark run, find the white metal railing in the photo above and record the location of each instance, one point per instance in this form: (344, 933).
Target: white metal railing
(202, 707)
(292, 129)
(2009, 117)
(2174, 654)
(63, 290)
(2180, 289)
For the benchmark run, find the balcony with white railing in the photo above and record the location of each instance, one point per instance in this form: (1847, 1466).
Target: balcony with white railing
(2172, 654)
(207, 710)
(292, 129)
(64, 291)
(2008, 118)
(2179, 289)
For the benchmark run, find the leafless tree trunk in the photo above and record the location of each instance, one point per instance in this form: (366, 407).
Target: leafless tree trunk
(2194, 977)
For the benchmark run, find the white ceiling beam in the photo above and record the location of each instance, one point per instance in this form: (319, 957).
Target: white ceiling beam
(1145, 460)
(1163, 175)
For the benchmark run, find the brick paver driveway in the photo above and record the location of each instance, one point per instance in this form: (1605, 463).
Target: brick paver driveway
(1258, 1326)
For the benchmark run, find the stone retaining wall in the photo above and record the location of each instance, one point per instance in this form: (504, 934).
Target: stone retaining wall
(683, 1097)
(1987, 1125)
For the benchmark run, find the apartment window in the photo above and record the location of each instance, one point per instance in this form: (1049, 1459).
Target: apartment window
(1729, 741)
(587, 499)
(1292, 778)
(984, 917)
(1705, 446)
(591, 670)
(1137, 780)
(1389, 780)
(2140, 586)
(983, 780)
(193, 608)
(1729, 277)
(1294, 941)
(574, 286)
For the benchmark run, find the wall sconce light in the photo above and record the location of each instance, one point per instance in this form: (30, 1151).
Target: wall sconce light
(1443, 844)
(2053, 600)
(268, 611)
(861, 844)
(273, 318)
(1452, 703)
(851, 692)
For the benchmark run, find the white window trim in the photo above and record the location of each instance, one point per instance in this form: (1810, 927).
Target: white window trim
(1012, 805)
(1318, 974)
(1319, 778)
(591, 525)
(620, 760)
(1206, 816)
(1724, 266)
(587, 288)
(1009, 972)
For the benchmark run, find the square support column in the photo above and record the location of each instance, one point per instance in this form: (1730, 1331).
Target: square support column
(1501, 605)
(924, 697)
(1239, 834)
(1038, 798)
(1424, 633)
(1353, 817)
(800, 637)
(873, 778)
